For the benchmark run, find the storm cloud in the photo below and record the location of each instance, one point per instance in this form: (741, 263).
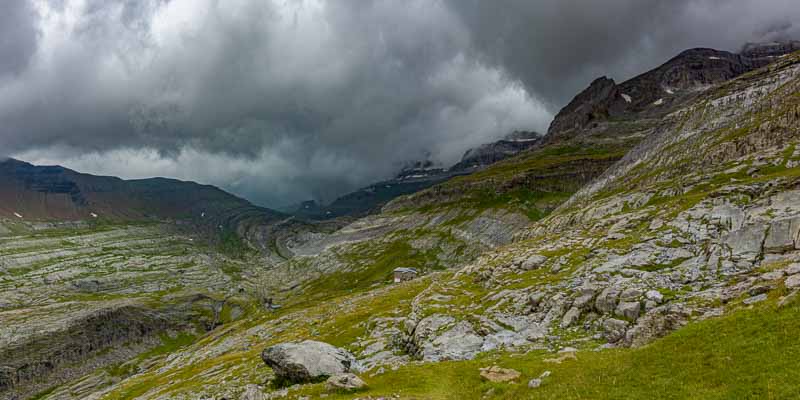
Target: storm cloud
(557, 47)
(17, 37)
(281, 101)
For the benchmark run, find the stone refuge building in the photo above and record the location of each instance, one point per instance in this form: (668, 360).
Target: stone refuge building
(404, 274)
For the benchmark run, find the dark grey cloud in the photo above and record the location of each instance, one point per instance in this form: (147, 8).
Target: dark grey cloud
(303, 98)
(557, 47)
(285, 100)
(17, 36)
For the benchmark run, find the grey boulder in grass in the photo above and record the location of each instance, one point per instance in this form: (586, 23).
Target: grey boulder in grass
(307, 361)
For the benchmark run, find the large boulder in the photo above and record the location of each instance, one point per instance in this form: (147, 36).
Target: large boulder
(307, 361)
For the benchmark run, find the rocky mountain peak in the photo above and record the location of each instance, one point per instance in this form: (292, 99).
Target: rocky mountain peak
(769, 49)
(597, 102)
(490, 153)
(695, 68)
(659, 91)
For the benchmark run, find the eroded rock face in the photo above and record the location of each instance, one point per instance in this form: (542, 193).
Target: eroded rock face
(95, 337)
(782, 236)
(745, 243)
(307, 361)
(460, 342)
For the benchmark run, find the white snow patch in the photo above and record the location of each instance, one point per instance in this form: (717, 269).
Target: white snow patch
(658, 102)
(626, 97)
(17, 215)
(714, 58)
(93, 215)
(668, 90)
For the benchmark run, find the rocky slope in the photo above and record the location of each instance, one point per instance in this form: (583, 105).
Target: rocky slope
(697, 220)
(653, 245)
(608, 235)
(78, 297)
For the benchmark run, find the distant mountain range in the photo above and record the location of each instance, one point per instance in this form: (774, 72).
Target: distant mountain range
(45, 193)
(415, 177)
(31, 193)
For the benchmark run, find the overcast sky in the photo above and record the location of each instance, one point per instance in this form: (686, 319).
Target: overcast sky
(285, 100)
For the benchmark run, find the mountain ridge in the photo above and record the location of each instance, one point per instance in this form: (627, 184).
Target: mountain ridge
(658, 91)
(55, 192)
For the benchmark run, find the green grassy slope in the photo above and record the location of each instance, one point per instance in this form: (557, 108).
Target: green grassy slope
(748, 354)
(532, 183)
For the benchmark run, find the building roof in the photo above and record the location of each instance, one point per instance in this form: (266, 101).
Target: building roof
(403, 269)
